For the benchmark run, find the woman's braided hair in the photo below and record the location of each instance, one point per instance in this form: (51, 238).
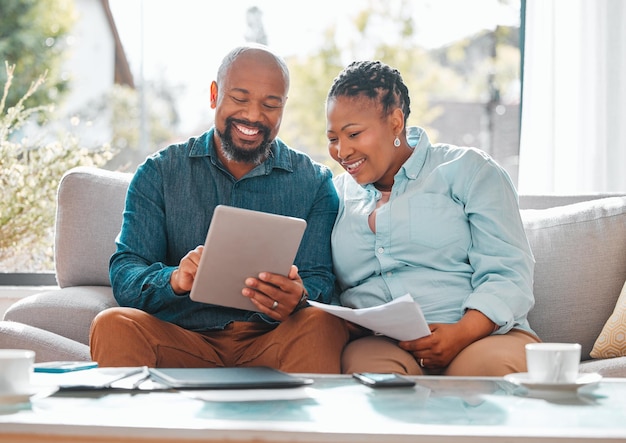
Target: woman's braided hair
(375, 80)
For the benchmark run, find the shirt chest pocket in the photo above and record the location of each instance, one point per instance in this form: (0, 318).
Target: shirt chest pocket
(436, 220)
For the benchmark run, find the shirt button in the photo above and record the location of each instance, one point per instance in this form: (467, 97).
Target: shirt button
(381, 250)
(389, 274)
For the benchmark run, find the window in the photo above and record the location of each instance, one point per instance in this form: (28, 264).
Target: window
(140, 70)
(573, 136)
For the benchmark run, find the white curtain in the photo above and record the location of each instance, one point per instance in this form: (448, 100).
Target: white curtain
(573, 127)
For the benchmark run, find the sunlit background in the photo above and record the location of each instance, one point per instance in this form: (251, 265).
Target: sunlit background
(182, 42)
(537, 84)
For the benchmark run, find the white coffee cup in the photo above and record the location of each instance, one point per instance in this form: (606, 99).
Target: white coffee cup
(16, 366)
(553, 362)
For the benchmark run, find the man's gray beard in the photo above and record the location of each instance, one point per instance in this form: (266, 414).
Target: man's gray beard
(237, 154)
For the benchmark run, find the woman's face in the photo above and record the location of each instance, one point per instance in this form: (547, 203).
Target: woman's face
(360, 139)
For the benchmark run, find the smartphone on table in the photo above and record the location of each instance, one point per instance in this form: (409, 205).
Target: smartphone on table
(383, 380)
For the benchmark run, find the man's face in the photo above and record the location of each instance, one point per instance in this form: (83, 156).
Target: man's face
(249, 107)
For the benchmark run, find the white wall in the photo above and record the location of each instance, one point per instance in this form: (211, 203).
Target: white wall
(91, 66)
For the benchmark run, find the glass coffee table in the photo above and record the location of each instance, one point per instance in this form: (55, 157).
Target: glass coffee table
(332, 409)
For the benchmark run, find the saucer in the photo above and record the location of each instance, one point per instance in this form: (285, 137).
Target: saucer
(523, 379)
(25, 397)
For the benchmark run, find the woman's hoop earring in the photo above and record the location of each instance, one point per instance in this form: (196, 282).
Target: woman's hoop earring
(396, 142)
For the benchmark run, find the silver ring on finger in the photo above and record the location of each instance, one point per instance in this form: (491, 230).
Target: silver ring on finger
(422, 362)
(274, 305)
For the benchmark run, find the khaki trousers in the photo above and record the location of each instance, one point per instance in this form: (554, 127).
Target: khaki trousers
(492, 356)
(310, 340)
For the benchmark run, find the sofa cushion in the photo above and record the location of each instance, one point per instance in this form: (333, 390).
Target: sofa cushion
(612, 340)
(67, 312)
(580, 256)
(607, 367)
(47, 345)
(89, 217)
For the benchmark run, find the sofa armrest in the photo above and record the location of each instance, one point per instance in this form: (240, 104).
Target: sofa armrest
(67, 312)
(580, 252)
(546, 201)
(47, 345)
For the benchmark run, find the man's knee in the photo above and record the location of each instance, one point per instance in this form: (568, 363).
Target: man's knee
(103, 319)
(114, 326)
(318, 319)
(319, 331)
(118, 338)
(112, 317)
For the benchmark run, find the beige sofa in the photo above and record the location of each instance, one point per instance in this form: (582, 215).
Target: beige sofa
(579, 246)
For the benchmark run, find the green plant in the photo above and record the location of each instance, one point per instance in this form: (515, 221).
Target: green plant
(30, 170)
(35, 36)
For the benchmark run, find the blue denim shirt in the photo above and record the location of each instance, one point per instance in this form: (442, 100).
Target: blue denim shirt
(451, 235)
(169, 206)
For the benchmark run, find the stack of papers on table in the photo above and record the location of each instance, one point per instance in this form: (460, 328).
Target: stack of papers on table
(92, 379)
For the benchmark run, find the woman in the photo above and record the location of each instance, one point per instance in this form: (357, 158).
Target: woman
(437, 221)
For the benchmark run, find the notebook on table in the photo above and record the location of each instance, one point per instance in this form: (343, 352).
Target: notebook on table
(241, 243)
(253, 377)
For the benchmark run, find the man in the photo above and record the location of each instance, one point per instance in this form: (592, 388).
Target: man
(169, 205)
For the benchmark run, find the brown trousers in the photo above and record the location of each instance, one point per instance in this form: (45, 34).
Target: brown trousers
(310, 340)
(492, 356)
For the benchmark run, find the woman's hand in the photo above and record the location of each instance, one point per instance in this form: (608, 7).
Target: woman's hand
(276, 295)
(437, 350)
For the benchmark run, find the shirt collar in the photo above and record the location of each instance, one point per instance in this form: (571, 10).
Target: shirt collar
(418, 140)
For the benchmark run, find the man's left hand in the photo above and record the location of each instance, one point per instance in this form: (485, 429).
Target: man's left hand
(274, 294)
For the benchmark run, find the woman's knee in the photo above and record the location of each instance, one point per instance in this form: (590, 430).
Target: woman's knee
(377, 354)
(493, 356)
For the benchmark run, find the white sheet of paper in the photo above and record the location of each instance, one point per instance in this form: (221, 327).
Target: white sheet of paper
(401, 319)
(234, 395)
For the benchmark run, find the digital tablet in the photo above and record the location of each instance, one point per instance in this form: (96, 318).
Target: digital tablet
(241, 243)
(253, 377)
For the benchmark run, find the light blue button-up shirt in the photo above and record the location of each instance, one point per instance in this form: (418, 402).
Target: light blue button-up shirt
(169, 207)
(451, 235)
